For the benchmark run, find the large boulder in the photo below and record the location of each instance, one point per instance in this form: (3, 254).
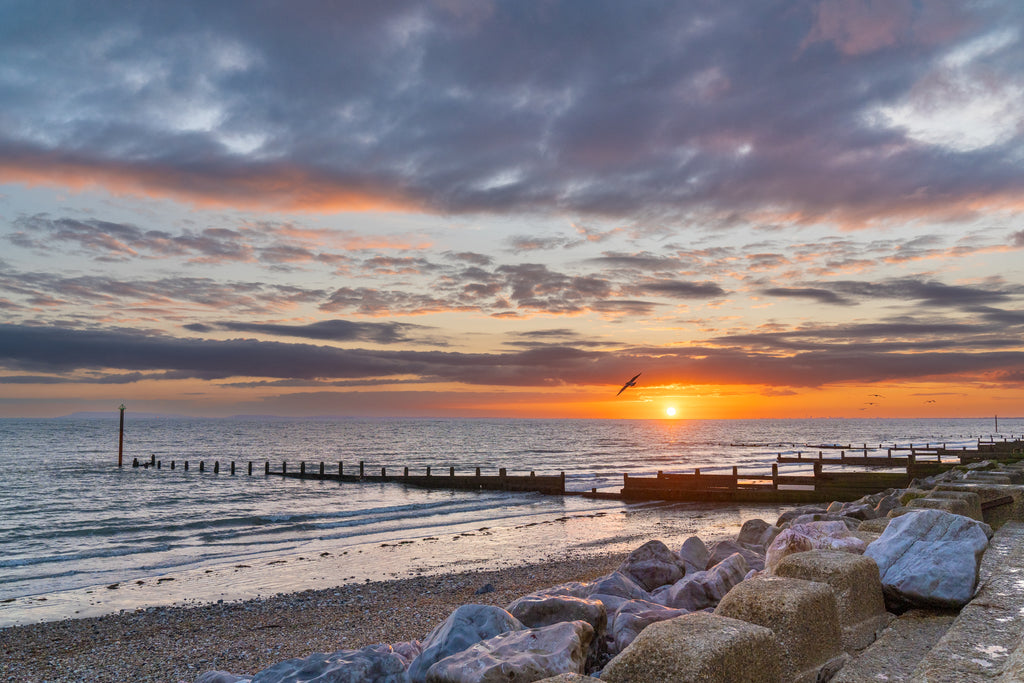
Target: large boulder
(789, 515)
(382, 663)
(694, 555)
(633, 617)
(704, 589)
(522, 656)
(618, 585)
(699, 648)
(534, 611)
(723, 549)
(465, 627)
(652, 565)
(929, 558)
(800, 538)
(850, 522)
(757, 533)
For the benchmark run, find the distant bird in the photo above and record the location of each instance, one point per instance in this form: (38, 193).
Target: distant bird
(630, 383)
(930, 401)
(870, 403)
(876, 395)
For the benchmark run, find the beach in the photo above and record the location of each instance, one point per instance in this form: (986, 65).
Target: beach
(176, 643)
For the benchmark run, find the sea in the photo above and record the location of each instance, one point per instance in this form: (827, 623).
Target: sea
(80, 536)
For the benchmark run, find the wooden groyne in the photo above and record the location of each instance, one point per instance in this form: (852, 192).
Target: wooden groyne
(444, 479)
(919, 455)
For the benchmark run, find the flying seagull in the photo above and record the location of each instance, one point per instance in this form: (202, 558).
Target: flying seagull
(630, 383)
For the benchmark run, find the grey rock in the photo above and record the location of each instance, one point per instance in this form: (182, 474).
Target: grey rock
(723, 549)
(632, 618)
(534, 611)
(522, 656)
(789, 515)
(800, 538)
(652, 565)
(929, 558)
(850, 522)
(380, 663)
(704, 589)
(465, 627)
(619, 585)
(758, 533)
(694, 555)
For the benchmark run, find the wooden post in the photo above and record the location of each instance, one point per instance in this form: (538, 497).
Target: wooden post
(361, 469)
(341, 469)
(266, 468)
(158, 463)
(152, 459)
(201, 465)
(302, 468)
(284, 467)
(232, 468)
(696, 471)
(817, 470)
(383, 472)
(250, 468)
(428, 470)
(478, 471)
(172, 464)
(735, 471)
(216, 466)
(405, 472)
(120, 438)
(186, 465)
(501, 472)
(321, 469)
(775, 475)
(451, 471)
(563, 481)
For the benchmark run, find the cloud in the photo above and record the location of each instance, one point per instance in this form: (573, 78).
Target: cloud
(56, 351)
(643, 110)
(327, 330)
(822, 296)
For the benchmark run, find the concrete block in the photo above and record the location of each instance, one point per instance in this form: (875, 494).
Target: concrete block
(899, 649)
(955, 505)
(699, 648)
(857, 586)
(995, 517)
(981, 643)
(802, 614)
(973, 501)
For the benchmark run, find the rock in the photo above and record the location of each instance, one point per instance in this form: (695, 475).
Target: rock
(704, 589)
(465, 627)
(800, 538)
(699, 648)
(723, 549)
(486, 588)
(972, 501)
(858, 511)
(382, 663)
(803, 616)
(694, 555)
(929, 558)
(757, 532)
(534, 611)
(221, 677)
(568, 678)
(521, 656)
(874, 526)
(619, 585)
(850, 522)
(887, 502)
(789, 515)
(633, 617)
(652, 565)
(573, 588)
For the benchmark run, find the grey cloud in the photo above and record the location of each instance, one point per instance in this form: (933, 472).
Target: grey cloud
(327, 330)
(823, 296)
(681, 289)
(641, 108)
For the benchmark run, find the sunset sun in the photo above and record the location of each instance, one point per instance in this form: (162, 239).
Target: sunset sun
(670, 411)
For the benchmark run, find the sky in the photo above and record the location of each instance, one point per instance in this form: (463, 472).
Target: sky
(769, 209)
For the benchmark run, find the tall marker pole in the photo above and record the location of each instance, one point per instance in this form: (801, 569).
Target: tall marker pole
(120, 439)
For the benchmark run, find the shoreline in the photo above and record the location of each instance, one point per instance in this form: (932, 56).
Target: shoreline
(177, 643)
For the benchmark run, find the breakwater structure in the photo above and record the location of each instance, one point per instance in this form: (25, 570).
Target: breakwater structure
(820, 485)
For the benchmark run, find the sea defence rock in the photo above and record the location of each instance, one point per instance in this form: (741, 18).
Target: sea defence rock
(971, 500)
(384, 663)
(1000, 503)
(986, 640)
(757, 534)
(850, 522)
(789, 515)
(568, 678)
(465, 627)
(704, 589)
(699, 648)
(534, 611)
(831, 535)
(874, 526)
(723, 549)
(529, 655)
(694, 555)
(929, 558)
(652, 565)
(899, 648)
(957, 506)
(633, 617)
(802, 615)
(857, 586)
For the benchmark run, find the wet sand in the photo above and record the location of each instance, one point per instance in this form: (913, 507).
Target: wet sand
(179, 643)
